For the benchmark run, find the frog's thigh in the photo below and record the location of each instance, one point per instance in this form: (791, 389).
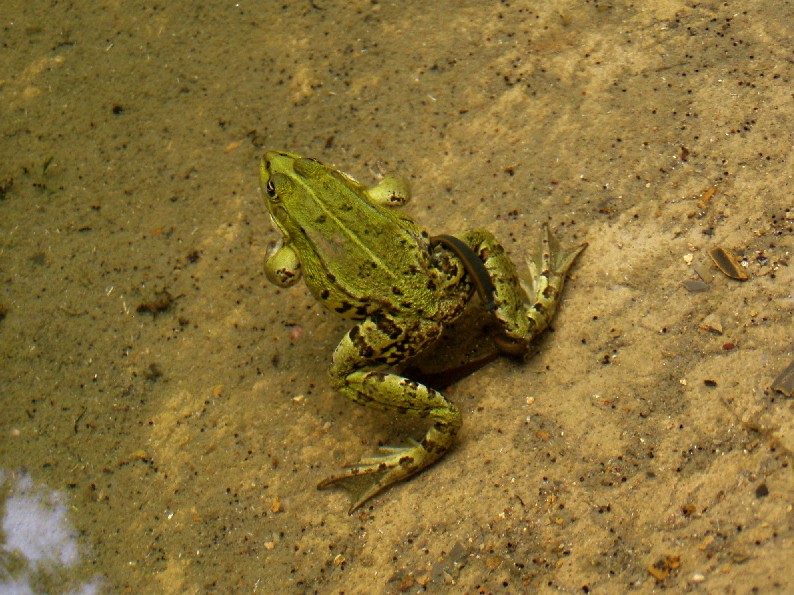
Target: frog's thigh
(353, 374)
(509, 298)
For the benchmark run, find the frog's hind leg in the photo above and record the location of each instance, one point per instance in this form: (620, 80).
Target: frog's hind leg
(524, 307)
(354, 374)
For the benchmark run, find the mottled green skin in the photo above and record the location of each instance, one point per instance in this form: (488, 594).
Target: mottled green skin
(366, 261)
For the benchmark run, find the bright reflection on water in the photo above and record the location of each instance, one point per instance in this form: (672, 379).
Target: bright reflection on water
(38, 545)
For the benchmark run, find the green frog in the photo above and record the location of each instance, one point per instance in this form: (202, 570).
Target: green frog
(365, 260)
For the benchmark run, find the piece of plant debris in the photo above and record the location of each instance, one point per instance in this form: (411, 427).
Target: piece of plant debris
(5, 187)
(727, 263)
(161, 302)
(784, 382)
(153, 372)
(662, 568)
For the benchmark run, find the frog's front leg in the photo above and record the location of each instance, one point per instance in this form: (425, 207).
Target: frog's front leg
(523, 306)
(356, 372)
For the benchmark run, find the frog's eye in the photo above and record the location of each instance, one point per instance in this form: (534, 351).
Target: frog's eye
(270, 188)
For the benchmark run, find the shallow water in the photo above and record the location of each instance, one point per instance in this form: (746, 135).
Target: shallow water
(166, 412)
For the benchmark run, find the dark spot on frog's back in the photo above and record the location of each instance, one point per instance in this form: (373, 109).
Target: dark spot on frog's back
(324, 294)
(376, 376)
(343, 307)
(362, 311)
(396, 290)
(365, 350)
(366, 270)
(410, 384)
(388, 328)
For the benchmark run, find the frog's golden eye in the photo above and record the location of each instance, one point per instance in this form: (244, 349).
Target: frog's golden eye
(270, 188)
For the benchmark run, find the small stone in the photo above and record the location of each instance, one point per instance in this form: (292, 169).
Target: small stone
(712, 324)
(696, 286)
(493, 562)
(784, 382)
(276, 505)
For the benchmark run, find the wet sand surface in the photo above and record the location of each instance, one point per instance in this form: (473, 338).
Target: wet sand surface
(166, 413)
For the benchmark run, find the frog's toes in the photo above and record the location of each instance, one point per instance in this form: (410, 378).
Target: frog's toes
(547, 269)
(373, 474)
(553, 261)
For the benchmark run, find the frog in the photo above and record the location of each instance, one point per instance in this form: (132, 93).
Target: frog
(368, 261)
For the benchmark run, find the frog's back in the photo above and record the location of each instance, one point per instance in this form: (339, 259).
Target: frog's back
(366, 256)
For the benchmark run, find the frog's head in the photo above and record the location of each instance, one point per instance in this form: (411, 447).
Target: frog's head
(299, 192)
(281, 191)
(281, 185)
(292, 186)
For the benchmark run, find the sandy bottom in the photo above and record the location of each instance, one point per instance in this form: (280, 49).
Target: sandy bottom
(166, 412)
